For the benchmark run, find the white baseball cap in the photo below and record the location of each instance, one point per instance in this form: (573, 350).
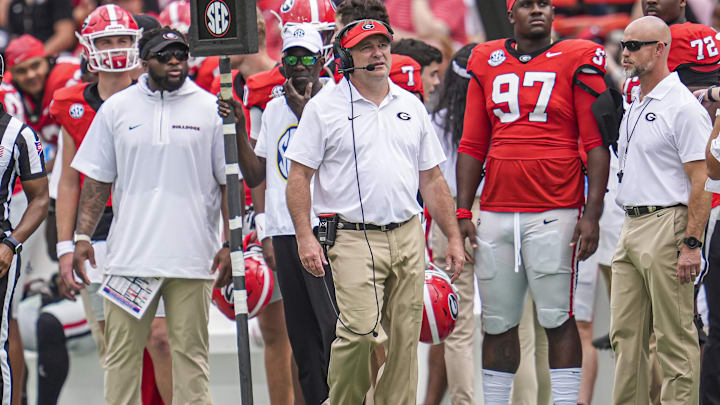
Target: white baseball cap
(302, 35)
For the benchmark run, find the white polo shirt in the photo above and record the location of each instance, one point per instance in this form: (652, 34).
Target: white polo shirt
(273, 140)
(394, 141)
(667, 128)
(164, 154)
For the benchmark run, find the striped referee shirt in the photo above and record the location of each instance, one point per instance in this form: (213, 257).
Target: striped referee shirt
(21, 155)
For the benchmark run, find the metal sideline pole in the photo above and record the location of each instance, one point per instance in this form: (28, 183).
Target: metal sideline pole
(232, 173)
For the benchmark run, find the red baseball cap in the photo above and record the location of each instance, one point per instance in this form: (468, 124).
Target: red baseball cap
(362, 30)
(23, 48)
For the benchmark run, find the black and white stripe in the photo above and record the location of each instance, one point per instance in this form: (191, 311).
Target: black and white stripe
(7, 287)
(20, 156)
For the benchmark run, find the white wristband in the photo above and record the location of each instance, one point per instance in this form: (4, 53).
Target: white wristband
(260, 226)
(64, 247)
(80, 237)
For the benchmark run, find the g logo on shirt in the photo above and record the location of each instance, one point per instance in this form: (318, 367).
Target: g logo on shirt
(283, 164)
(651, 116)
(404, 116)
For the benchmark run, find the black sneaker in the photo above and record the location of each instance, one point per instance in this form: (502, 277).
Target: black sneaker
(602, 343)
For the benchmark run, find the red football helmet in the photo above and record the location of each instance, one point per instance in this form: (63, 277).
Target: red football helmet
(177, 15)
(440, 307)
(406, 73)
(106, 21)
(259, 284)
(320, 13)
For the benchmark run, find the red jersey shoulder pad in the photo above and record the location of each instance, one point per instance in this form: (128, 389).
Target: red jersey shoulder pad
(491, 52)
(262, 87)
(72, 111)
(693, 45)
(585, 56)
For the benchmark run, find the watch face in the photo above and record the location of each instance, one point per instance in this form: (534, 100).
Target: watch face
(692, 242)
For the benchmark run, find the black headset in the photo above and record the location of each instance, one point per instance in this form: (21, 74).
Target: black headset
(346, 61)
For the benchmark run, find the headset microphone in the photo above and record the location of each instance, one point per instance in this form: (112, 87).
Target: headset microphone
(369, 68)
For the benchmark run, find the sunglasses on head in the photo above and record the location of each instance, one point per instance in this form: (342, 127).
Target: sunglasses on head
(634, 46)
(165, 55)
(307, 60)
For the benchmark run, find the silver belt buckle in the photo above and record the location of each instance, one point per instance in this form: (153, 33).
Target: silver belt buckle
(384, 228)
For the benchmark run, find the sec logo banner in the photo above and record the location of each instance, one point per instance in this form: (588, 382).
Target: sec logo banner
(217, 18)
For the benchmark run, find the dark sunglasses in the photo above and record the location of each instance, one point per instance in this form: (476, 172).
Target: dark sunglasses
(165, 55)
(307, 60)
(634, 46)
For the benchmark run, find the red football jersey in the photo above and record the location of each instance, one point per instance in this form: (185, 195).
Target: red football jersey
(693, 46)
(38, 117)
(525, 118)
(262, 87)
(11, 100)
(209, 68)
(694, 54)
(74, 108)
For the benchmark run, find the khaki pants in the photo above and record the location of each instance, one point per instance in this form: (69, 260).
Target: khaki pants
(646, 295)
(399, 259)
(459, 344)
(187, 302)
(531, 385)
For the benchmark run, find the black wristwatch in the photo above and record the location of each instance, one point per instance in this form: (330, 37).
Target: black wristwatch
(13, 244)
(692, 242)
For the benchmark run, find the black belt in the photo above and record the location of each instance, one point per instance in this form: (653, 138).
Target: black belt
(354, 226)
(646, 209)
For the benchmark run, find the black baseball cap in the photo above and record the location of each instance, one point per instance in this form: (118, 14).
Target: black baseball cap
(161, 41)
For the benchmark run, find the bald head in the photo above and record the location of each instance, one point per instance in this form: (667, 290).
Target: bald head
(647, 45)
(648, 28)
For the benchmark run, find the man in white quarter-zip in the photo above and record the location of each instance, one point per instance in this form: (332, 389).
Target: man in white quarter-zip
(159, 145)
(309, 316)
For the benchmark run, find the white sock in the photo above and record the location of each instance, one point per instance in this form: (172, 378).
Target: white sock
(496, 387)
(565, 384)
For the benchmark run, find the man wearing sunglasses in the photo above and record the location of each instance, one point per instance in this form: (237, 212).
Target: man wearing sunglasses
(694, 51)
(309, 317)
(662, 175)
(159, 145)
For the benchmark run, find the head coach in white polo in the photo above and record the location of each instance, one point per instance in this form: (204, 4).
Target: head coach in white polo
(370, 146)
(662, 176)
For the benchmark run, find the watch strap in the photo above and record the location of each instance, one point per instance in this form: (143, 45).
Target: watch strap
(12, 243)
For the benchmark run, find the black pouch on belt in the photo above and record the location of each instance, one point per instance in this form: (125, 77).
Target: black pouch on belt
(327, 229)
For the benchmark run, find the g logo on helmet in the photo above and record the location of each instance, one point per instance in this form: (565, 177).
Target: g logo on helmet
(440, 307)
(368, 26)
(217, 18)
(453, 306)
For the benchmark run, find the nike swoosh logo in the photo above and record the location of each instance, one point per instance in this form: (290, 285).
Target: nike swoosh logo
(659, 215)
(552, 54)
(548, 221)
(350, 119)
(133, 127)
